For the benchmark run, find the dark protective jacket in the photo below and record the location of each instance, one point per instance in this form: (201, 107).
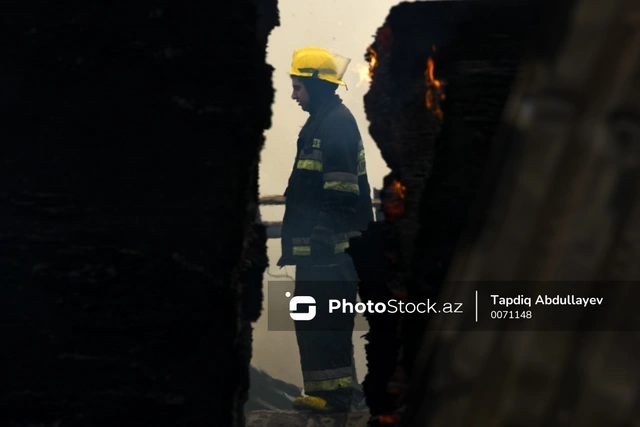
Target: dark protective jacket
(328, 188)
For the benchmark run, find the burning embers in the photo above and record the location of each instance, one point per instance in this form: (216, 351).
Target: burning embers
(398, 188)
(434, 88)
(373, 61)
(365, 72)
(434, 92)
(394, 207)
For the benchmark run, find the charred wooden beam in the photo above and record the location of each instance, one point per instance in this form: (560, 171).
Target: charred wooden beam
(274, 228)
(272, 200)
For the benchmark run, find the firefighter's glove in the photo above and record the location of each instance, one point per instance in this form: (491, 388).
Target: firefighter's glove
(322, 245)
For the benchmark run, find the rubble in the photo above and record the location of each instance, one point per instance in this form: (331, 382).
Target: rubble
(306, 419)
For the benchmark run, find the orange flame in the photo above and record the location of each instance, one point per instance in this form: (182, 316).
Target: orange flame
(429, 74)
(388, 419)
(393, 210)
(395, 207)
(399, 189)
(365, 72)
(373, 60)
(434, 89)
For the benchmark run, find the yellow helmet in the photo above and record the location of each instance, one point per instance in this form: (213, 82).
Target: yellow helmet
(314, 61)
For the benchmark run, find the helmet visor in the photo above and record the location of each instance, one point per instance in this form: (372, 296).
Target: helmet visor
(334, 67)
(341, 65)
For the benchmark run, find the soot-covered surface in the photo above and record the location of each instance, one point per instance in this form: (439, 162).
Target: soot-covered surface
(437, 150)
(129, 135)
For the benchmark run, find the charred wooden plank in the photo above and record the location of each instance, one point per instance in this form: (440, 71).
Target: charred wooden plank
(272, 200)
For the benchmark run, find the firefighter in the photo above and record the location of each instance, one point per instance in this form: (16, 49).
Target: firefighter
(328, 201)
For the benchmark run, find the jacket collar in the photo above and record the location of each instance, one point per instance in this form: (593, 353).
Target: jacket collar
(325, 105)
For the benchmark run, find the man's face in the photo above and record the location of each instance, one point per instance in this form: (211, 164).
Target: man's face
(299, 93)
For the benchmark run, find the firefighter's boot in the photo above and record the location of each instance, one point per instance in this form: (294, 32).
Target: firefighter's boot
(331, 403)
(312, 403)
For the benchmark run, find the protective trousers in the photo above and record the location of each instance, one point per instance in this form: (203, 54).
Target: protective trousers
(325, 343)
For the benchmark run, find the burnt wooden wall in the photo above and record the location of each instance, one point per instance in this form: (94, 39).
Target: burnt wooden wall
(562, 205)
(531, 175)
(130, 140)
(477, 49)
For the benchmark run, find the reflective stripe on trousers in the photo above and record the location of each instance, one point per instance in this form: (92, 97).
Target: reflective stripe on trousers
(327, 379)
(302, 245)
